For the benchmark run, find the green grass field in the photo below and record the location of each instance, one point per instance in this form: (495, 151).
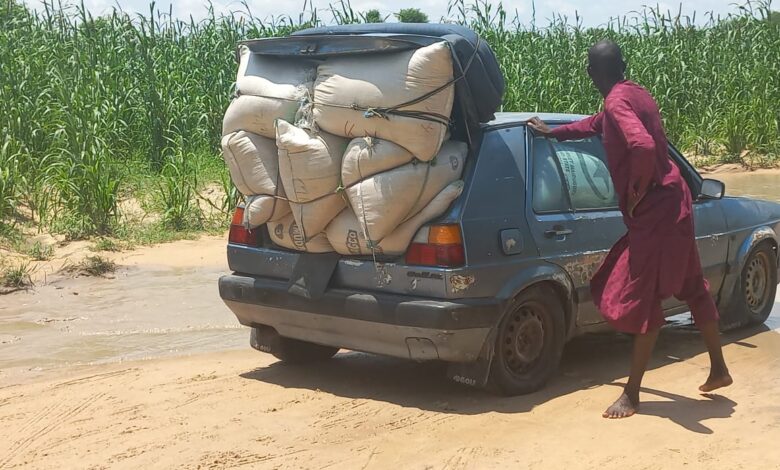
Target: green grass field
(97, 111)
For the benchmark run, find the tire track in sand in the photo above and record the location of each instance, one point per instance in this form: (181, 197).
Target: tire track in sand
(44, 422)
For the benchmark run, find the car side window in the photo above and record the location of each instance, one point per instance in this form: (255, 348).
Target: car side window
(549, 193)
(584, 167)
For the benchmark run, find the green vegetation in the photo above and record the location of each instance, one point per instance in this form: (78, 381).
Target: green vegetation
(40, 251)
(96, 266)
(98, 111)
(411, 15)
(105, 244)
(91, 266)
(373, 16)
(15, 277)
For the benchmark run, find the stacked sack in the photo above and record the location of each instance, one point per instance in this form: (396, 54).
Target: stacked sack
(267, 89)
(362, 159)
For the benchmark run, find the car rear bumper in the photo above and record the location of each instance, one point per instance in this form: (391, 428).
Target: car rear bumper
(389, 324)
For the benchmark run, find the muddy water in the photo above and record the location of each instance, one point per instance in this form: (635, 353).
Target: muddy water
(759, 185)
(142, 312)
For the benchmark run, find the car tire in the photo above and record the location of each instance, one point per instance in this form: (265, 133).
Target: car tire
(529, 342)
(756, 287)
(295, 351)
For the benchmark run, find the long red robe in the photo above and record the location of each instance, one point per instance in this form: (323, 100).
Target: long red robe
(658, 257)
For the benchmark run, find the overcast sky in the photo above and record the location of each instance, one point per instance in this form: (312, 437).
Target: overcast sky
(592, 12)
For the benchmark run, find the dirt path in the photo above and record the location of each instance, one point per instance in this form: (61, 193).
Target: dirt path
(241, 409)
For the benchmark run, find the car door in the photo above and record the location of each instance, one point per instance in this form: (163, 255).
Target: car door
(710, 224)
(573, 212)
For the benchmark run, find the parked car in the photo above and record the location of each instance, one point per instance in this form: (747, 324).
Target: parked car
(497, 285)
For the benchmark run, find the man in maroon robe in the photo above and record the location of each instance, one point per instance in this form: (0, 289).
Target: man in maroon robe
(658, 257)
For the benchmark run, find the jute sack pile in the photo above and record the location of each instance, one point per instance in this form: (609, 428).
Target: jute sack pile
(404, 97)
(383, 184)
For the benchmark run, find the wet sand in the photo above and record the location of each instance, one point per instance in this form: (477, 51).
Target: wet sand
(241, 409)
(148, 369)
(760, 184)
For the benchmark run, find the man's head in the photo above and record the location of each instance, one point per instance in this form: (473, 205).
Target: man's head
(605, 65)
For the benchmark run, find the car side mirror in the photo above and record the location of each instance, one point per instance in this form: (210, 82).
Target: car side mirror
(712, 189)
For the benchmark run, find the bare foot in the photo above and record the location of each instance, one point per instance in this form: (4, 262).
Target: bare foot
(622, 408)
(716, 381)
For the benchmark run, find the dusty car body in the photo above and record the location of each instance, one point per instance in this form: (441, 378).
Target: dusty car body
(502, 317)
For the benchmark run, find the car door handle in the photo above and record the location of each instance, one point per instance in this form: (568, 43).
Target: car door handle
(558, 231)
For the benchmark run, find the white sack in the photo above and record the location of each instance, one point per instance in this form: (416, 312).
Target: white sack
(367, 156)
(587, 178)
(387, 80)
(286, 233)
(309, 163)
(346, 236)
(385, 200)
(285, 78)
(261, 209)
(268, 89)
(313, 217)
(253, 162)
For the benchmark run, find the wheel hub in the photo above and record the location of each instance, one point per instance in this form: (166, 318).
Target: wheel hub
(523, 340)
(756, 282)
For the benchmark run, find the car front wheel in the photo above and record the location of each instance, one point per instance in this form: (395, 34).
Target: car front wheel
(758, 285)
(529, 342)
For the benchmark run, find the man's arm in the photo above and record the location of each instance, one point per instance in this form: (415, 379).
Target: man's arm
(641, 149)
(587, 127)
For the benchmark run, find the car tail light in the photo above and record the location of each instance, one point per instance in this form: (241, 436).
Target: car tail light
(437, 245)
(239, 234)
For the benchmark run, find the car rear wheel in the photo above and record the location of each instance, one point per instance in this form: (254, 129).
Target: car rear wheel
(292, 351)
(529, 342)
(757, 286)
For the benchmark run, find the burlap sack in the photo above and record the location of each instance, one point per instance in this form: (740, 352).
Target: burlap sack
(367, 156)
(313, 217)
(309, 163)
(286, 233)
(268, 88)
(253, 162)
(347, 238)
(261, 209)
(385, 200)
(348, 86)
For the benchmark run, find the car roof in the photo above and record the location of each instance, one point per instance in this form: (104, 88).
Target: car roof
(502, 119)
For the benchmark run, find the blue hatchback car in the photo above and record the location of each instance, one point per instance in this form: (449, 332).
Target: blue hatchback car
(498, 298)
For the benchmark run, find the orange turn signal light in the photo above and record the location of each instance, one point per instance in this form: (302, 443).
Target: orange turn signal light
(444, 235)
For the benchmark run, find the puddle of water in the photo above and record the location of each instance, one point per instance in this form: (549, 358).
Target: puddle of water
(139, 314)
(756, 185)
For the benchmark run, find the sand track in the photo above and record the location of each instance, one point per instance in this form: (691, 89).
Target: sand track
(241, 409)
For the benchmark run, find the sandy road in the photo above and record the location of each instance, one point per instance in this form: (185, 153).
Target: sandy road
(242, 409)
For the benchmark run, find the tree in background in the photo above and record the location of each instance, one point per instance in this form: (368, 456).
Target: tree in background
(373, 16)
(411, 15)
